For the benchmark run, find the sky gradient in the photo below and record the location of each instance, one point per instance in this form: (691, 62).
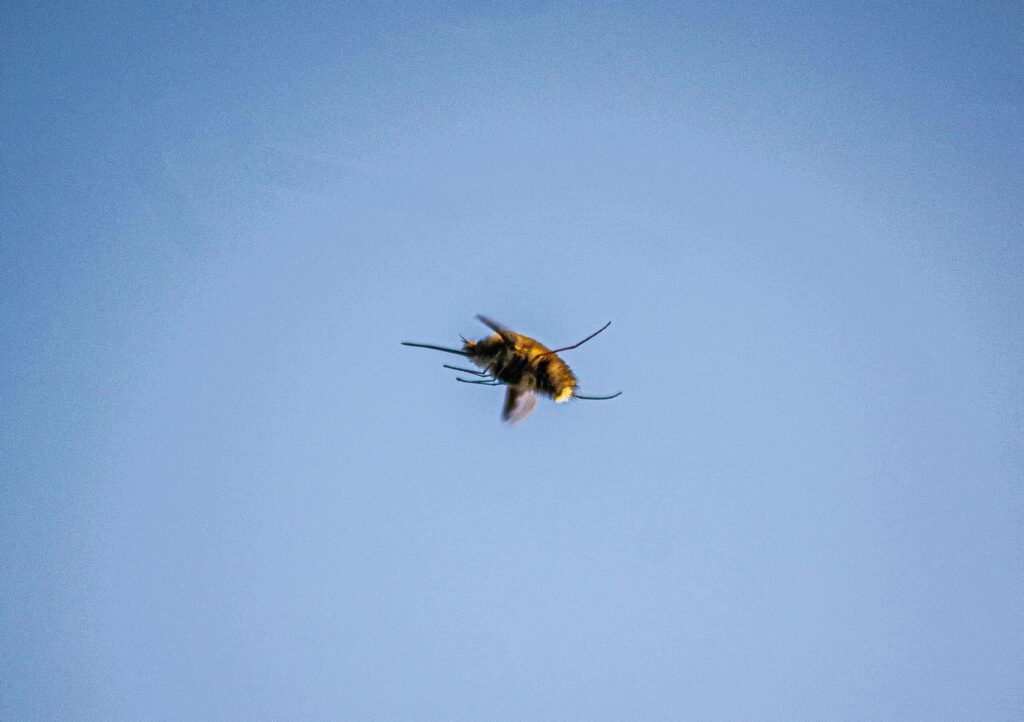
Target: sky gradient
(229, 493)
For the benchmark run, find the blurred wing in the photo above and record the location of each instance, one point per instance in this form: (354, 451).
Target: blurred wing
(518, 405)
(506, 334)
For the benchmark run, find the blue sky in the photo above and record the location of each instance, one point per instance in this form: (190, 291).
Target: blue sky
(229, 493)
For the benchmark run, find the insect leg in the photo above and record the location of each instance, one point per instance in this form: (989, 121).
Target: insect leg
(577, 345)
(482, 382)
(475, 372)
(597, 398)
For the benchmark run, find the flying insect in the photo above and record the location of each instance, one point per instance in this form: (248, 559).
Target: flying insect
(522, 364)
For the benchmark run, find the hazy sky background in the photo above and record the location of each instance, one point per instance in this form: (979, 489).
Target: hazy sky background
(229, 493)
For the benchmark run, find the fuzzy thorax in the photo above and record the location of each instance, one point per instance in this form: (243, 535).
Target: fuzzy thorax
(525, 363)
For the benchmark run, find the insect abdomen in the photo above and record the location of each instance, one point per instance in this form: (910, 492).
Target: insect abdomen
(526, 364)
(555, 378)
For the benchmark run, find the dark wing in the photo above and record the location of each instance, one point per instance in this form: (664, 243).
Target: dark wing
(518, 405)
(505, 333)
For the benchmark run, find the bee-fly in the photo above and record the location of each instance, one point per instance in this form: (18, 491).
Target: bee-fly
(525, 366)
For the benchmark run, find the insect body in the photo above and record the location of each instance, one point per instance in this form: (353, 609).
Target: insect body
(522, 364)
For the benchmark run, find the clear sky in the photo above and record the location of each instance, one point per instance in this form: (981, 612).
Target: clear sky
(229, 493)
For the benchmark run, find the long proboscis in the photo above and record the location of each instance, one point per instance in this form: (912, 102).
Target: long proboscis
(435, 348)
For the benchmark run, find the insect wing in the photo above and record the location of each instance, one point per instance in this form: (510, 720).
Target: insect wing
(491, 323)
(506, 334)
(518, 405)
